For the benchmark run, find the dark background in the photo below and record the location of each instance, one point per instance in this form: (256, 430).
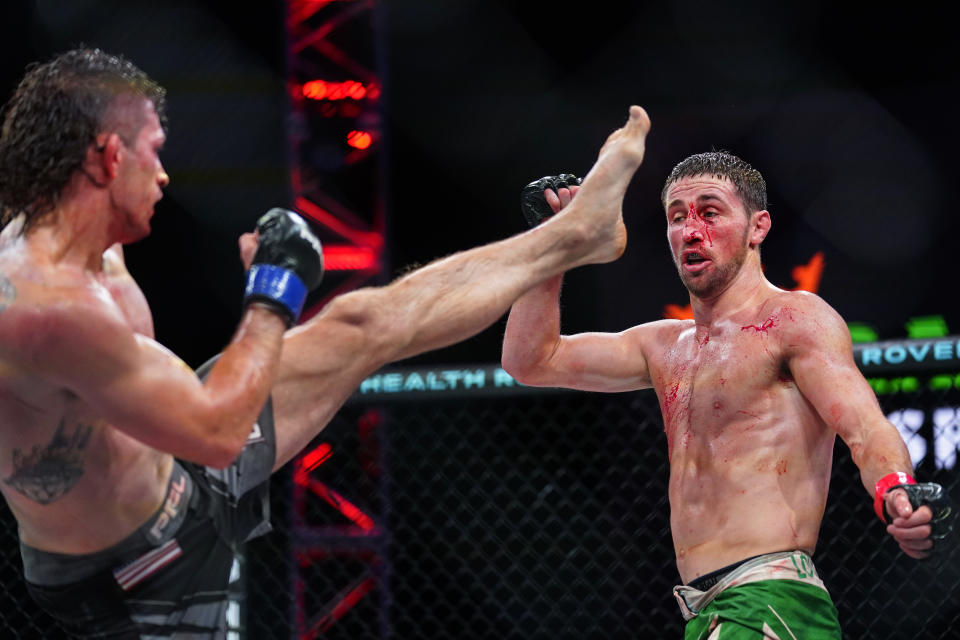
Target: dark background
(848, 111)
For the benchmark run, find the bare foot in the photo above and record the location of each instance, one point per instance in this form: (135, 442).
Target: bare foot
(599, 200)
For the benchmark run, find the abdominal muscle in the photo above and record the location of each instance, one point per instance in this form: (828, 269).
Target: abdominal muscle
(748, 490)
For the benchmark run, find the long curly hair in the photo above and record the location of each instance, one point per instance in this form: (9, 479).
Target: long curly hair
(55, 114)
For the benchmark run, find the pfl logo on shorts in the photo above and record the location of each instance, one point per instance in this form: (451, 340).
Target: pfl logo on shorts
(171, 508)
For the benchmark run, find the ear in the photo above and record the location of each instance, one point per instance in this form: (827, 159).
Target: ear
(113, 152)
(103, 158)
(759, 227)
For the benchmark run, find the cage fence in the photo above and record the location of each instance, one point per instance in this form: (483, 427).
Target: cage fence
(454, 503)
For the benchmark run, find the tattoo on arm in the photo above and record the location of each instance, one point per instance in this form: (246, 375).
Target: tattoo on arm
(48, 472)
(7, 292)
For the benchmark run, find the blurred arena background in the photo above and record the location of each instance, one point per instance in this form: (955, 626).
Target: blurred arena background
(444, 501)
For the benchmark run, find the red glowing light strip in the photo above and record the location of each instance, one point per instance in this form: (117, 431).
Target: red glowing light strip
(347, 602)
(348, 89)
(317, 35)
(311, 461)
(316, 457)
(304, 9)
(325, 218)
(349, 258)
(341, 504)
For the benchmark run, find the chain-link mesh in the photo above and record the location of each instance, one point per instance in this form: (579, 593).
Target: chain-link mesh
(534, 516)
(547, 517)
(19, 618)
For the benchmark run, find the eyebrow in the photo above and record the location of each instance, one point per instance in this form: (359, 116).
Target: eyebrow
(707, 197)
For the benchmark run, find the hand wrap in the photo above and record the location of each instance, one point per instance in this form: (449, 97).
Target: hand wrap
(883, 485)
(534, 205)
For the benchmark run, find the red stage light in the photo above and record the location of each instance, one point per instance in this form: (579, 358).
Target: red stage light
(348, 89)
(349, 258)
(359, 139)
(315, 90)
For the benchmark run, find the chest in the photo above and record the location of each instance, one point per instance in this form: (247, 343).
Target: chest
(712, 376)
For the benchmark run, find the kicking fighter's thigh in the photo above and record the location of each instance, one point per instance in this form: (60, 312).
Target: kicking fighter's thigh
(323, 361)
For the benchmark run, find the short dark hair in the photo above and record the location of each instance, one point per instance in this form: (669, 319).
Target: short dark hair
(56, 112)
(748, 182)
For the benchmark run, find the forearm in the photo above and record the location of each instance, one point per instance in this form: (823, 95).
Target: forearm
(879, 452)
(240, 381)
(533, 330)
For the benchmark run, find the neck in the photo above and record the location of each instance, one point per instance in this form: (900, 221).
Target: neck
(77, 231)
(741, 291)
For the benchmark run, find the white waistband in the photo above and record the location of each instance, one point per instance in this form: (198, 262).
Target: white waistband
(785, 565)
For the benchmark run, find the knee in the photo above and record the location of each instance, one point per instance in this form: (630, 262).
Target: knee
(356, 310)
(366, 312)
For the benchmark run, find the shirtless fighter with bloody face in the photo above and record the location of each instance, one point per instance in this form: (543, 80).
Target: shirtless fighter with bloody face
(753, 391)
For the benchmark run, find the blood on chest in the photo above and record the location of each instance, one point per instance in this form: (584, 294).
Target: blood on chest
(717, 391)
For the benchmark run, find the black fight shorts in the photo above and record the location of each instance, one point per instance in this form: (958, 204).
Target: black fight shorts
(169, 578)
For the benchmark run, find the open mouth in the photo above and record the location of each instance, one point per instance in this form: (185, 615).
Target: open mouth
(694, 261)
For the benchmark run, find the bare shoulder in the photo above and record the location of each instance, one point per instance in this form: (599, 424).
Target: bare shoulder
(657, 336)
(661, 329)
(45, 321)
(805, 307)
(657, 330)
(113, 261)
(805, 321)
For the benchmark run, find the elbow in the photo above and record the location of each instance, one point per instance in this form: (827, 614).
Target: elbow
(520, 370)
(507, 364)
(218, 455)
(530, 361)
(221, 447)
(513, 366)
(221, 458)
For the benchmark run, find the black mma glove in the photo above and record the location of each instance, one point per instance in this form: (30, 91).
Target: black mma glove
(287, 265)
(930, 494)
(534, 205)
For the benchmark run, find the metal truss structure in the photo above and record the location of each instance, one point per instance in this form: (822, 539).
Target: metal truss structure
(335, 141)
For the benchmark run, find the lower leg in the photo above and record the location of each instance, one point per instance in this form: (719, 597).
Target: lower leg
(456, 297)
(448, 300)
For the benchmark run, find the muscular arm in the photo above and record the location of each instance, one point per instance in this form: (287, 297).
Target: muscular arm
(141, 388)
(536, 354)
(819, 354)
